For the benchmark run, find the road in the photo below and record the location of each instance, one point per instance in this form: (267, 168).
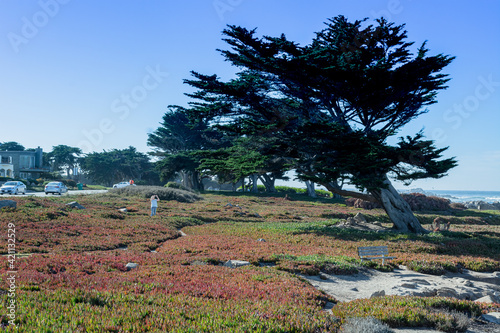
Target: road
(42, 194)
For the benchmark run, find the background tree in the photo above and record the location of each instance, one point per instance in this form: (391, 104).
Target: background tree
(173, 141)
(333, 104)
(115, 165)
(11, 146)
(64, 157)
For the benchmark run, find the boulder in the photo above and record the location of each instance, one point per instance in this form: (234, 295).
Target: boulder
(123, 210)
(261, 240)
(492, 317)
(379, 293)
(360, 218)
(8, 203)
(409, 285)
(236, 263)
(131, 265)
(446, 292)
(482, 205)
(75, 204)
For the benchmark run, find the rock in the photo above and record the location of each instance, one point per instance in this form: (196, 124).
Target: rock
(131, 265)
(354, 289)
(123, 210)
(236, 263)
(328, 306)
(261, 240)
(489, 298)
(409, 285)
(481, 205)
(485, 299)
(492, 317)
(323, 276)
(425, 292)
(75, 204)
(360, 218)
(467, 283)
(379, 293)
(446, 292)
(8, 203)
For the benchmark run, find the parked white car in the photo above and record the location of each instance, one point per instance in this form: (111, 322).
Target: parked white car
(122, 184)
(55, 187)
(13, 187)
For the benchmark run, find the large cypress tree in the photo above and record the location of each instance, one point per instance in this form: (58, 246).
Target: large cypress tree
(331, 105)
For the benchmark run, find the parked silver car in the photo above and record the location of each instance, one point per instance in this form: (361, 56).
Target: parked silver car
(13, 187)
(122, 184)
(55, 187)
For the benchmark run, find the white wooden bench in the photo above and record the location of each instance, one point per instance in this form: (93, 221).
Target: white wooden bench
(374, 252)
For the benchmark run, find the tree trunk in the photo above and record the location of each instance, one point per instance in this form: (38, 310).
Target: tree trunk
(397, 209)
(254, 178)
(197, 182)
(310, 189)
(268, 182)
(338, 192)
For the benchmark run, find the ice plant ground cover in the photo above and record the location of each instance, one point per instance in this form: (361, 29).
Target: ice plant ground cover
(72, 275)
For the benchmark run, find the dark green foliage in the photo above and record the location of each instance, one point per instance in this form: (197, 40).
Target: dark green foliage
(11, 146)
(63, 157)
(115, 165)
(175, 140)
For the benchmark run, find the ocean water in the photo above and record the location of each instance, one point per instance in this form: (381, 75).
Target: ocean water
(463, 196)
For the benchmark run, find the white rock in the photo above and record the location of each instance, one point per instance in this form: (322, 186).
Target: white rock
(236, 263)
(75, 204)
(131, 265)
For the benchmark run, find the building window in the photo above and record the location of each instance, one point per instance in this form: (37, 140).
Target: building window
(6, 160)
(26, 161)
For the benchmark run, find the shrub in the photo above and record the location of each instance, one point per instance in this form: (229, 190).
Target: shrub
(453, 321)
(162, 192)
(366, 324)
(287, 189)
(457, 205)
(177, 186)
(419, 201)
(69, 182)
(426, 267)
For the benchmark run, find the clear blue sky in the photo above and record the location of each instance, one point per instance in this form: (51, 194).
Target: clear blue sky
(100, 74)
